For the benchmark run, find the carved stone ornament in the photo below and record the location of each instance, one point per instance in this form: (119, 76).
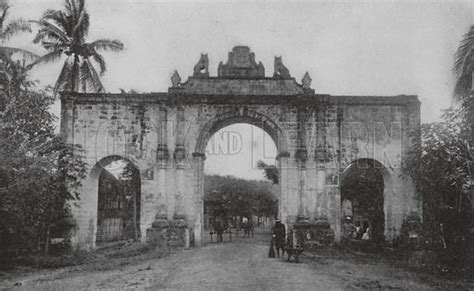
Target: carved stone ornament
(162, 154)
(302, 154)
(179, 153)
(175, 79)
(306, 81)
(201, 69)
(280, 71)
(241, 65)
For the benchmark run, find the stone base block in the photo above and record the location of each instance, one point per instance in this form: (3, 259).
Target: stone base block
(168, 234)
(314, 235)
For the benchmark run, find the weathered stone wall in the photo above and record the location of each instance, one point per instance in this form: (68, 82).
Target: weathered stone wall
(332, 133)
(165, 135)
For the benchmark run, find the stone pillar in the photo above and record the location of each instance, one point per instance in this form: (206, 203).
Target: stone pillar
(283, 164)
(301, 157)
(179, 159)
(198, 226)
(157, 235)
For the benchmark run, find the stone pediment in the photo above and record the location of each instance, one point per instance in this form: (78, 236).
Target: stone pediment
(241, 75)
(241, 65)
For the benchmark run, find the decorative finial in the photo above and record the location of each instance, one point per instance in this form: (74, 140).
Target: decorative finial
(306, 81)
(175, 79)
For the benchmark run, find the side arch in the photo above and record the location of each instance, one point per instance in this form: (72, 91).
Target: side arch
(387, 192)
(113, 210)
(99, 166)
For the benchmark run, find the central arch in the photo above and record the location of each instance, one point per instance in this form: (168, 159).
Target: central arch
(242, 116)
(219, 122)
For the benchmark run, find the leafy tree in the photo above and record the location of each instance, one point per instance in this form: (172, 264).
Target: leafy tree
(64, 32)
(270, 171)
(239, 197)
(38, 172)
(464, 72)
(12, 72)
(437, 164)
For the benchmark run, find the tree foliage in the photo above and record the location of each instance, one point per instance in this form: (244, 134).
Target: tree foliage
(39, 172)
(239, 197)
(10, 29)
(438, 164)
(64, 32)
(270, 171)
(464, 66)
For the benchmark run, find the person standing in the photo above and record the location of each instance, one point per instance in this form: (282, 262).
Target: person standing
(219, 228)
(279, 234)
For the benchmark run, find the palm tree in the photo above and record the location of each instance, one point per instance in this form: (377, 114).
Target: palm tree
(13, 71)
(11, 29)
(464, 66)
(463, 91)
(64, 32)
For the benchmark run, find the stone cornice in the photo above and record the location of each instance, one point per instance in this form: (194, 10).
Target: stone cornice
(292, 100)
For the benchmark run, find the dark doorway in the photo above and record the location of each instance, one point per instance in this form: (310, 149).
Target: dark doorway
(362, 199)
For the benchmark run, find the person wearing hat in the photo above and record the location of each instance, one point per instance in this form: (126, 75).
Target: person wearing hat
(279, 234)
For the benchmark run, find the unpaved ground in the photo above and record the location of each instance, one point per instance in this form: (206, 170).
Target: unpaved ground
(240, 264)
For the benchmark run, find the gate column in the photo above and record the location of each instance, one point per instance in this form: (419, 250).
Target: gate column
(199, 159)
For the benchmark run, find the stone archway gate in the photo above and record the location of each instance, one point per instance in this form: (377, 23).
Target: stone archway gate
(165, 135)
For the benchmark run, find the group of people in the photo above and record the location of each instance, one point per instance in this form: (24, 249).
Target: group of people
(220, 225)
(355, 232)
(248, 227)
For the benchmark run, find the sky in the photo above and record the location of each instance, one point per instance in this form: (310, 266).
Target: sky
(348, 48)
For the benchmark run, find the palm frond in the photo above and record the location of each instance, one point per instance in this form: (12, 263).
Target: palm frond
(464, 51)
(81, 27)
(462, 87)
(56, 16)
(50, 28)
(96, 79)
(100, 60)
(15, 27)
(54, 45)
(64, 78)
(87, 78)
(24, 53)
(5, 8)
(68, 6)
(107, 44)
(48, 58)
(464, 66)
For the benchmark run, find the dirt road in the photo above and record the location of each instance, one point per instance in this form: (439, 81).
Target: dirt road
(240, 264)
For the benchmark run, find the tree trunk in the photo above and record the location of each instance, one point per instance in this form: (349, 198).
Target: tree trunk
(134, 207)
(48, 235)
(47, 239)
(75, 74)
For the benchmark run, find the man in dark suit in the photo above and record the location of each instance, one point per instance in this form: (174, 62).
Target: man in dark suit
(279, 234)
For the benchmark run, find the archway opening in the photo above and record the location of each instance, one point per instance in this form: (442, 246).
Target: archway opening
(241, 189)
(119, 195)
(362, 203)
